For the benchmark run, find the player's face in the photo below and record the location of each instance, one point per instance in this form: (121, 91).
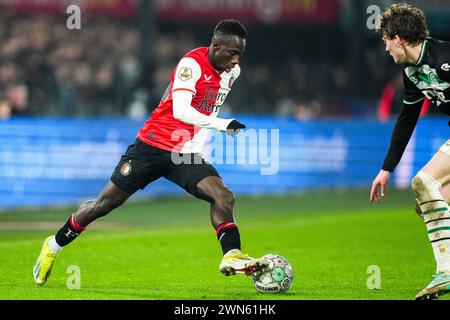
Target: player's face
(395, 48)
(227, 52)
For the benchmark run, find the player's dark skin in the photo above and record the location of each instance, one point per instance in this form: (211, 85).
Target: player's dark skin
(225, 52)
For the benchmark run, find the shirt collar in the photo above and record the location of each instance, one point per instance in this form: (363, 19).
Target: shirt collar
(422, 53)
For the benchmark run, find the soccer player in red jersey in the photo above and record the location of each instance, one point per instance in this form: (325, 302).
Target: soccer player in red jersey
(169, 145)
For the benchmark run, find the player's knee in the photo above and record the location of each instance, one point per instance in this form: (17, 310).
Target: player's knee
(417, 183)
(425, 187)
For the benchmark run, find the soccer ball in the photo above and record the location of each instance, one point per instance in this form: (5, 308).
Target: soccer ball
(277, 278)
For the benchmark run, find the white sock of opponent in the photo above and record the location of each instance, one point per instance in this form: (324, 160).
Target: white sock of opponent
(435, 213)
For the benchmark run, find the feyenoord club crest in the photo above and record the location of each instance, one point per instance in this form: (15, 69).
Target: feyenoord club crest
(230, 83)
(125, 169)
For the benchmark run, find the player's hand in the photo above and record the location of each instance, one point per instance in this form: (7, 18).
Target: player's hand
(234, 127)
(380, 181)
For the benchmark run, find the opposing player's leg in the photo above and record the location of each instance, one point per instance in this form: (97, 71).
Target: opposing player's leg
(111, 197)
(430, 186)
(445, 191)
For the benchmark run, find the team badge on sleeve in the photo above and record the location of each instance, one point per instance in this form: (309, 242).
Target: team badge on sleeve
(185, 74)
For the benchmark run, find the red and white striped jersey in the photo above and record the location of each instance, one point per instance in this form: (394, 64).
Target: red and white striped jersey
(194, 73)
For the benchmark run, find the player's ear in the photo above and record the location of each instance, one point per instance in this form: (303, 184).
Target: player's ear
(398, 41)
(216, 44)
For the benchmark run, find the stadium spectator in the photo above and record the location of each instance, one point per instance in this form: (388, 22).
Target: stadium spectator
(5, 108)
(97, 71)
(91, 73)
(18, 98)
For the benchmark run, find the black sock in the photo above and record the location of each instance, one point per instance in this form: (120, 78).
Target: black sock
(69, 232)
(229, 237)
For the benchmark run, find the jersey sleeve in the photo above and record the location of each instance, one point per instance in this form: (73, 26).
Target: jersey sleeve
(183, 111)
(443, 67)
(403, 130)
(187, 74)
(412, 94)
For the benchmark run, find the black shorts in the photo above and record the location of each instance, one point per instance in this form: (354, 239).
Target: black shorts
(143, 163)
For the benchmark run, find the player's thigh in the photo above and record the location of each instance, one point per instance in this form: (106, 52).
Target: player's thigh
(140, 165)
(439, 166)
(189, 174)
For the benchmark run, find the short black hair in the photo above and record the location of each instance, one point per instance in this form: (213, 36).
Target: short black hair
(230, 27)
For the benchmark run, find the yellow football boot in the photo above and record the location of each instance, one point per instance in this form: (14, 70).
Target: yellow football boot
(44, 263)
(234, 261)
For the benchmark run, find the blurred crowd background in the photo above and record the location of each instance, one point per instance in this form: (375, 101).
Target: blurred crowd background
(330, 66)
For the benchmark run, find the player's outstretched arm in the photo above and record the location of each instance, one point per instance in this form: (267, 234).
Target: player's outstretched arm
(403, 130)
(380, 182)
(183, 111)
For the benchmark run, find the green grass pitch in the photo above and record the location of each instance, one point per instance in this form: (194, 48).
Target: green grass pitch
(167, 249)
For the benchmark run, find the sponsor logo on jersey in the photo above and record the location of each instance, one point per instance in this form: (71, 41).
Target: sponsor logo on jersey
(185, 74)
(427, 80)
(207, 78)
(212, 100)
(426, 77)
(446, 67)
